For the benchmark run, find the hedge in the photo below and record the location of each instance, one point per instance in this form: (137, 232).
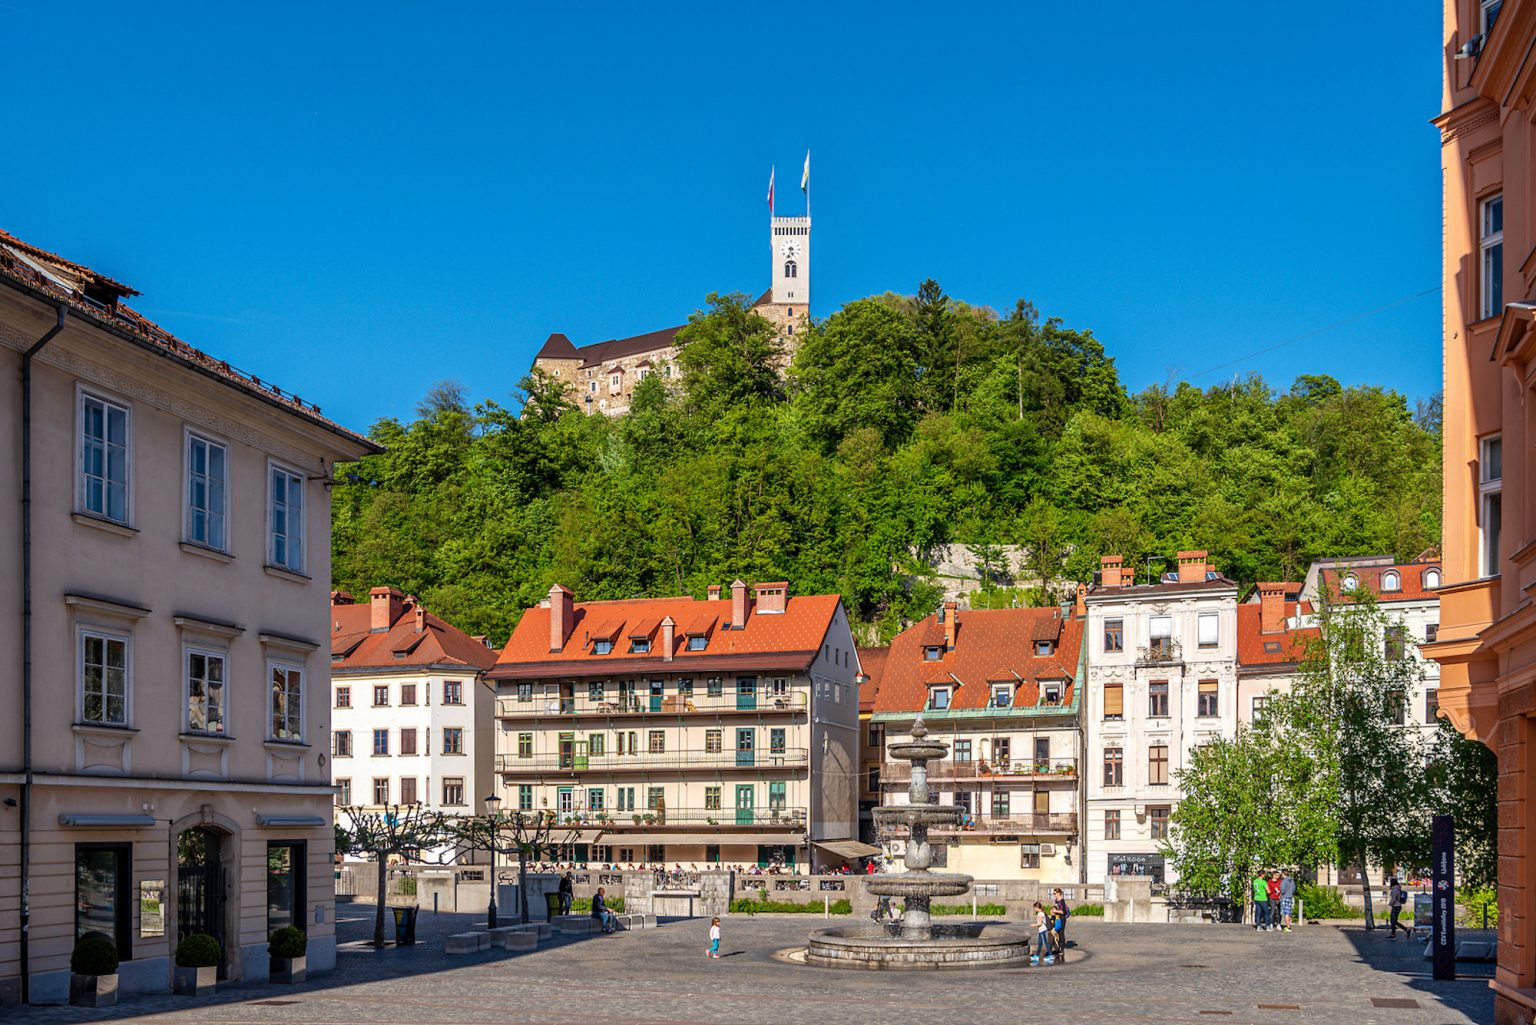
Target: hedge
(583, 905)
(982, 910)
(748, 906)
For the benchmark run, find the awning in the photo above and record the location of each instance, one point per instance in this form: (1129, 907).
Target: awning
(848, 848)
(106, 821)
(289, 821)
(724, 839)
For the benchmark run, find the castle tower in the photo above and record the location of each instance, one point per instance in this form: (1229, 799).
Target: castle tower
(791, 243)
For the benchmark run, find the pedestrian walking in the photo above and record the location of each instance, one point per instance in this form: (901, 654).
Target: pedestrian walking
(1287, 900)
(714, 939)
(1061, 914)
(1042, 937)
(1260, 902)
(1396, 898)
(567, 892)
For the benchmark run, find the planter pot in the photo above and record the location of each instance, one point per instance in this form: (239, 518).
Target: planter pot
(288, 969)
(93, 990)
(195, 982)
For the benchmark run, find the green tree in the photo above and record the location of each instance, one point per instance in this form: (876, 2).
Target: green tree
(405, 831)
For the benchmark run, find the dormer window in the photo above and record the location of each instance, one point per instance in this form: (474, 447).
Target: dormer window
(639, 645)
(1044, 647)
(1431, 579)
(1271, 647)
(602, 647)
(1391, 581)
(1002, 695)
(938, 698)
(1050, 694)
(698, 642)
(1349, 583)
(933, 652)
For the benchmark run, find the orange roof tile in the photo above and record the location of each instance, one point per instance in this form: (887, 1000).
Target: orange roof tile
(872, 660)
(1255, 648)
(439, 643)
(1411, 574)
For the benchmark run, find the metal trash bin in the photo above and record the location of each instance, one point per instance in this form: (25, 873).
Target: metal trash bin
(405, 926)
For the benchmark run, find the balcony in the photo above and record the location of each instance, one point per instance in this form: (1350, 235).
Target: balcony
(659, 820)
(647, 761)
(1162, 651)
(1056, 823)
(950, 771)
(625, 703)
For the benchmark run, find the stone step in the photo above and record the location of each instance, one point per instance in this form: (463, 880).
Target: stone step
(466, 943)
(512, 937)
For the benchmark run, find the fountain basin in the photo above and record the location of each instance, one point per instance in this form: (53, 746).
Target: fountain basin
(919, 884)
(919, 814)
(919, 750)
(960, 946)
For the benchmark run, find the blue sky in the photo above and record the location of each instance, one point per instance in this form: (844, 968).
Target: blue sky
(356, 202)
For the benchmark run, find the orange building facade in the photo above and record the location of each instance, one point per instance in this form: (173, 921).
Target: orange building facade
(1487, 638)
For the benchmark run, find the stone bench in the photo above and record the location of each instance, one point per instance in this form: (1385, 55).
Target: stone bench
(466, 943)
(543, 930)
(512, 937)
(629, 922)
(574, 925)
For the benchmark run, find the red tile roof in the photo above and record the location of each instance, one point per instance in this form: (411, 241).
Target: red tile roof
(787, 640)
(1255, 648)
(872, 660)
(439, 643)
(95, 297)
(558, 346)
(1411, 575)
(991, 646)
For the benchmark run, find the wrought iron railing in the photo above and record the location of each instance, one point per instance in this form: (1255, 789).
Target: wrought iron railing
(948, 770)
(754, 758)
(626, 703)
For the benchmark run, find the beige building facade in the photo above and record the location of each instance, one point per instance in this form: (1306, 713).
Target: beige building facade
(164, 766)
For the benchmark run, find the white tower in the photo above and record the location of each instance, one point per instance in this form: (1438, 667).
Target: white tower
(791, 241)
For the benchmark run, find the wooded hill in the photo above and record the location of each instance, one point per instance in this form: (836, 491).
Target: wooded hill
(904, 422)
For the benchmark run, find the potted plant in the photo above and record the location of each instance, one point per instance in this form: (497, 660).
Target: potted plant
(650, 819)
(197, 966)
(93, 972)
(286, 948)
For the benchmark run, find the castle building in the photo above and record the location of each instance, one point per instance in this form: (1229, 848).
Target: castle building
(601, 377)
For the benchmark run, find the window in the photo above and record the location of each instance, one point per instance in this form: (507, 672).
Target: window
(1000, 804)
(205, 692)
(1397, 707)
(776, 796)
(597, 744)
(1029, 855)
(1490, 473)
(932, 653)
(1272, 647)
(595, 690)
(962, 750)
(1431, 705)
(408, 790)
(711, 798)
(381, 695)
(205, 492)
(656, 742)
(1260, 706)
(1050, 694)
(1114, 767)
(103, 458)
(525, 745)
(287, 520)
(1112, 823)
(343, 743)
(407, 693)
(524, 692)
(1431, 631)
(639, 645)
(380, 791)
(697, 642)
(1114, 701)
(453, 791)
(712, 742)
(1391, 580)
(1431, 579)
(104, 893)
(343, 793)
(602, 647)
(685, 689)
(713, 687)
(1157, 765)
(381, 742)
(343, 697)
(1490, 14)
(1206, 699)
(524, 797)
(1207, 624)
(1349, 583)
(1394, 643)
(1002, 695)
(1157, 819)
(776, 741)
(103, 679)
(938, 698)
(1044, 647)
(1157, 699)
(453, 740)
(655, 798)
(1491, 247)
(408, 741)
(595, 799)
(1114, 635)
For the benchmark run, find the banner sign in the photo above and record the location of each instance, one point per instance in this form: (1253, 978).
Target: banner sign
(1443, 896)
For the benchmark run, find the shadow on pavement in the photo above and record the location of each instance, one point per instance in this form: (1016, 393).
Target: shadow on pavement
(1404, 957)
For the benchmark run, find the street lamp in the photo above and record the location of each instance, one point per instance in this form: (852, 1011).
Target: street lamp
(493, 816)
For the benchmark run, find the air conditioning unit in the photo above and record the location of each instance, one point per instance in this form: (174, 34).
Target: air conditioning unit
(1047, 850)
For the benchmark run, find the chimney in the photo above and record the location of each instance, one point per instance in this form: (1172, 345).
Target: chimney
(714, 592)
(341, 598)
(1080, 602)
(421, 618)
(1271, 608)
(386, 603)
(561, 617)
(1192, 567)
(667, 632)
(951, 621)
(738, 604)
(772, 597)
(1110, 573)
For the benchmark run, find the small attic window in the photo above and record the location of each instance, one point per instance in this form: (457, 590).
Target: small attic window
(933, 652)
(1044, 647)
(1050, 693)
(1391, 581)
(1271, 647)
(639, 645)
(1002, 695)
(1350, 582)
(697, 642)
(602, 647)
(1431, 579)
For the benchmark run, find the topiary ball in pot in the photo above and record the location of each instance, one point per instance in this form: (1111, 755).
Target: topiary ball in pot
(198, 950)
(287, 942)
(94, 955)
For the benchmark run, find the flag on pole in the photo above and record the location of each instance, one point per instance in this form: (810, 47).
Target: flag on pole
(770, 192)
(805, 176)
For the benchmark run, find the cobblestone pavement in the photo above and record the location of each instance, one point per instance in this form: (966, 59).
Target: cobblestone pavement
(1116, 973)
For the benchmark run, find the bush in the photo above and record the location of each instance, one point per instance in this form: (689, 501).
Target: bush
(1324, 902)
(583, 905)
(1088, 911)
(94, 954)
(197, 951)
(982, 910)
(1475, 902)
(288, 942)
(748, 906)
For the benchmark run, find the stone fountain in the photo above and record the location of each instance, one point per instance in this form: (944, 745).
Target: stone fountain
(919, 943)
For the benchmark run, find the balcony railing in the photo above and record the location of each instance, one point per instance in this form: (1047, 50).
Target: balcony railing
(625, 821)
(760, 699)
(1020, 823)
(1159, 652)
(793, 757)
(949, 770)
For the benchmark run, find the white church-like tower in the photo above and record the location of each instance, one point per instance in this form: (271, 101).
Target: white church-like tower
(789, 300)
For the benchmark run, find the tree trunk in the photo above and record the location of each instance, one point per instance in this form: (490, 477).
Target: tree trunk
(1365, 879)
(378, 911)
(522, 884)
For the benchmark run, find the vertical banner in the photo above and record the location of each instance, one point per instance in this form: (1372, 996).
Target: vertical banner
(1443, 896)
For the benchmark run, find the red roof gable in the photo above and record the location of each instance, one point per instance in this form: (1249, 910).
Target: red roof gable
(991, 646)
(873, 662)
(1411, 575)
(438, 643)
(1255, 648)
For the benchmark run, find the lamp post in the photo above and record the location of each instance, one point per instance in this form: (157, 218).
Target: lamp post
(493, 817)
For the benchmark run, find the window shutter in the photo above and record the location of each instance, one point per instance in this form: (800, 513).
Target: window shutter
(1114, 699)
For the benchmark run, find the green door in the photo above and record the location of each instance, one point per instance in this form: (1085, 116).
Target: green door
(745, 742)
(746, 693)
(656, 695)
(744, 804)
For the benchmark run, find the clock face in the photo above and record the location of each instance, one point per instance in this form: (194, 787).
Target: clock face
(791, 250)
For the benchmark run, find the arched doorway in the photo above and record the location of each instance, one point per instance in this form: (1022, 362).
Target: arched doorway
(202, 887)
